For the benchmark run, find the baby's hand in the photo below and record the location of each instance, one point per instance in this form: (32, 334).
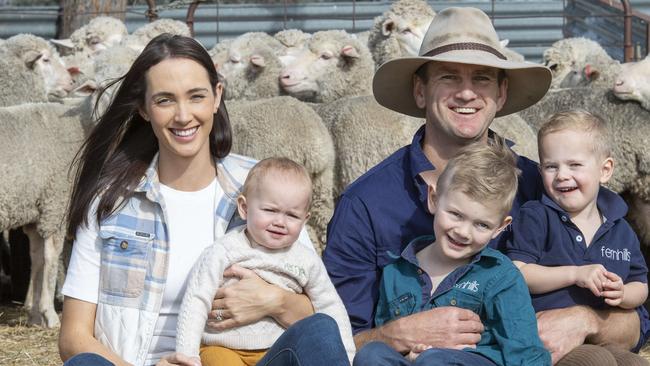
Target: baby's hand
(591, 277)
(416, 350)
(613, 289)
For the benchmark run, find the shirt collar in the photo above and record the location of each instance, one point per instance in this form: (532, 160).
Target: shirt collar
(419, 243)
(611, 205)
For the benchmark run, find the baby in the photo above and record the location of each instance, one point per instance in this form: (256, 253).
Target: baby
(275, 202)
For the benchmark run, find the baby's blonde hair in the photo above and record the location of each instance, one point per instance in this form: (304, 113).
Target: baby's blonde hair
(486, 173)
(279, 165)
(581, 121)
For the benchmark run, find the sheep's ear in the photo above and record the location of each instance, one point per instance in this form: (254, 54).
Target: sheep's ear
(74, 70)
(65, 43)
(349, 52)
(30, 57)
(387, 27)
(258, 60)
(504, 42)
(591, 73)
(87, 88)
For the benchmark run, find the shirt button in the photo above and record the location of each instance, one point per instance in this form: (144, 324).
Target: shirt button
(419, 271)
(564, 218)
(452, 302)
(124, 244)
(397, 312)
(578, 238)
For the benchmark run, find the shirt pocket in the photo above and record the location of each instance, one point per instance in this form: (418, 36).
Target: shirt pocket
(402, 305)
(460, 299)
(124, 262)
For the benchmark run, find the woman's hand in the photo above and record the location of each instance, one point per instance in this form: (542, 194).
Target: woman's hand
(179, 359)
(244, 302)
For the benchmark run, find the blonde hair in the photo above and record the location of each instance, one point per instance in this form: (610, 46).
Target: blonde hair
(280, 165)
(485, 173)
(581, 121)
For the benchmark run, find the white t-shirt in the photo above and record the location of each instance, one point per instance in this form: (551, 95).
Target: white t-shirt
(190, 222)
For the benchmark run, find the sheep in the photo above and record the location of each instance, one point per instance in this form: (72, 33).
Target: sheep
(510, 54)
(633, 82)
(99, 34)
(399, 31)
(335, 65)
(250, 66)
(293, 42)
(35, 188)
(141, 36)
(627, 121)
(517, 130)
(577, 62)
(31, 71)
(284, 126)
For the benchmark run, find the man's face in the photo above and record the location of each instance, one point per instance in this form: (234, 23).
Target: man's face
(460, 100)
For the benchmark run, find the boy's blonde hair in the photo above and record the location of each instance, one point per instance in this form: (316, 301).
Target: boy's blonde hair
(486, 173)
(581, 121)
(279, 165)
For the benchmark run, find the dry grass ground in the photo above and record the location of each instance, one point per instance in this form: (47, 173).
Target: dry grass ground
(27, 346)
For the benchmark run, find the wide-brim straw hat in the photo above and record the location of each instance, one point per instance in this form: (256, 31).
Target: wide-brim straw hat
(460, 35)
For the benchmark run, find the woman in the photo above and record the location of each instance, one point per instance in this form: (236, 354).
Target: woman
(155, 185)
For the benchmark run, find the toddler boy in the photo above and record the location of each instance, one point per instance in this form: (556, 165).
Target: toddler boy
(574, 246)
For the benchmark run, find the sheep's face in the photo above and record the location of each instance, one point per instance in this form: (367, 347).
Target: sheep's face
(633, 83)
(407, 32)
(49, 66)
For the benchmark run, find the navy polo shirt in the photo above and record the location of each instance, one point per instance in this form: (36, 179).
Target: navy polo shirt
(544, 234)
(381, 212)
(490, 286)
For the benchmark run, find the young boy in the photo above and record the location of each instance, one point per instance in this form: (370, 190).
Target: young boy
(573, 246)
(456, 268)
(275, 203)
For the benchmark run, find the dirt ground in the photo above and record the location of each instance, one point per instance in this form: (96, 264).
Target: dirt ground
(27, 346)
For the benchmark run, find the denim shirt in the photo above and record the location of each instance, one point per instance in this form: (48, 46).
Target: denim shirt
(490, 286)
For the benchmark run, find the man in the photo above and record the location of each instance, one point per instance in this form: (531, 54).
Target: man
(459, 82)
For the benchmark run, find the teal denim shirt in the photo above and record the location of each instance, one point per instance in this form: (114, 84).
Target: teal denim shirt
(490, 285)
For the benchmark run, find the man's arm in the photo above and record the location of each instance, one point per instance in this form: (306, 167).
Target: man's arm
(443, 327)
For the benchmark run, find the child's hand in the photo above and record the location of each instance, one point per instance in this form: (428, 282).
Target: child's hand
(416, 350)
(613, 289)
(591, 277)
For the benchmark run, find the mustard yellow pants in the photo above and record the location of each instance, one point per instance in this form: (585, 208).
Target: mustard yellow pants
(221, 356)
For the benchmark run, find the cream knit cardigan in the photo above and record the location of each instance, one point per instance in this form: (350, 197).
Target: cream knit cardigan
(295, 268)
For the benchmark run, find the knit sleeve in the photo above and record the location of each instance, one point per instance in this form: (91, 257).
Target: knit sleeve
(204, 280)
(326, 300)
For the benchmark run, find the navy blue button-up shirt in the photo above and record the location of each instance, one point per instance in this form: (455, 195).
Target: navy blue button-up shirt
(381, 212)
(543, 233)
(490, 285)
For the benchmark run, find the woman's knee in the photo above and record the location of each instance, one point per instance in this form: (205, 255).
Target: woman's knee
(87, 359)
(319, 323)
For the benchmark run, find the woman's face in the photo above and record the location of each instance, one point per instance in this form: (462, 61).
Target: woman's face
(180, 104)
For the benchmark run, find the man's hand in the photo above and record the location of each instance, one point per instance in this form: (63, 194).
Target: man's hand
(244, 302)
(416, 350)
(562, 330)
(613, 289)
(591, 277)
(179, 359)
(443, 327)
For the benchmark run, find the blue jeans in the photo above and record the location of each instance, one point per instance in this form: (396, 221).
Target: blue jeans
(313, 341)
(381, 354)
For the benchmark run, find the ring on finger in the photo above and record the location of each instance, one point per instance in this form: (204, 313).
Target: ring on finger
(219, 315)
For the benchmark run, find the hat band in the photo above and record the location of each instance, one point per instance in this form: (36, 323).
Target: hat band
(465, 46)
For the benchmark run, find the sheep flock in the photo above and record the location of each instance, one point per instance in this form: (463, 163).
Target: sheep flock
(304, 96)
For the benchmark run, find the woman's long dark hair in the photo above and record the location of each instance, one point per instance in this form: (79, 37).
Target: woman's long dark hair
(116, 154)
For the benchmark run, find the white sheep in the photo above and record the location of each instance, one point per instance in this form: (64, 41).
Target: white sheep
(141, 36)
(250, 66)
(40, 143)
(294, 42)
(99, 34)
(510, 54)
(31, 71)
(335, 65)
(284, 126)
(577, 62)
(633, 82)
(399, 31)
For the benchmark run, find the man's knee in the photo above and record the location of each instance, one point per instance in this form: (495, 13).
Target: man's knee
(376, 353)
